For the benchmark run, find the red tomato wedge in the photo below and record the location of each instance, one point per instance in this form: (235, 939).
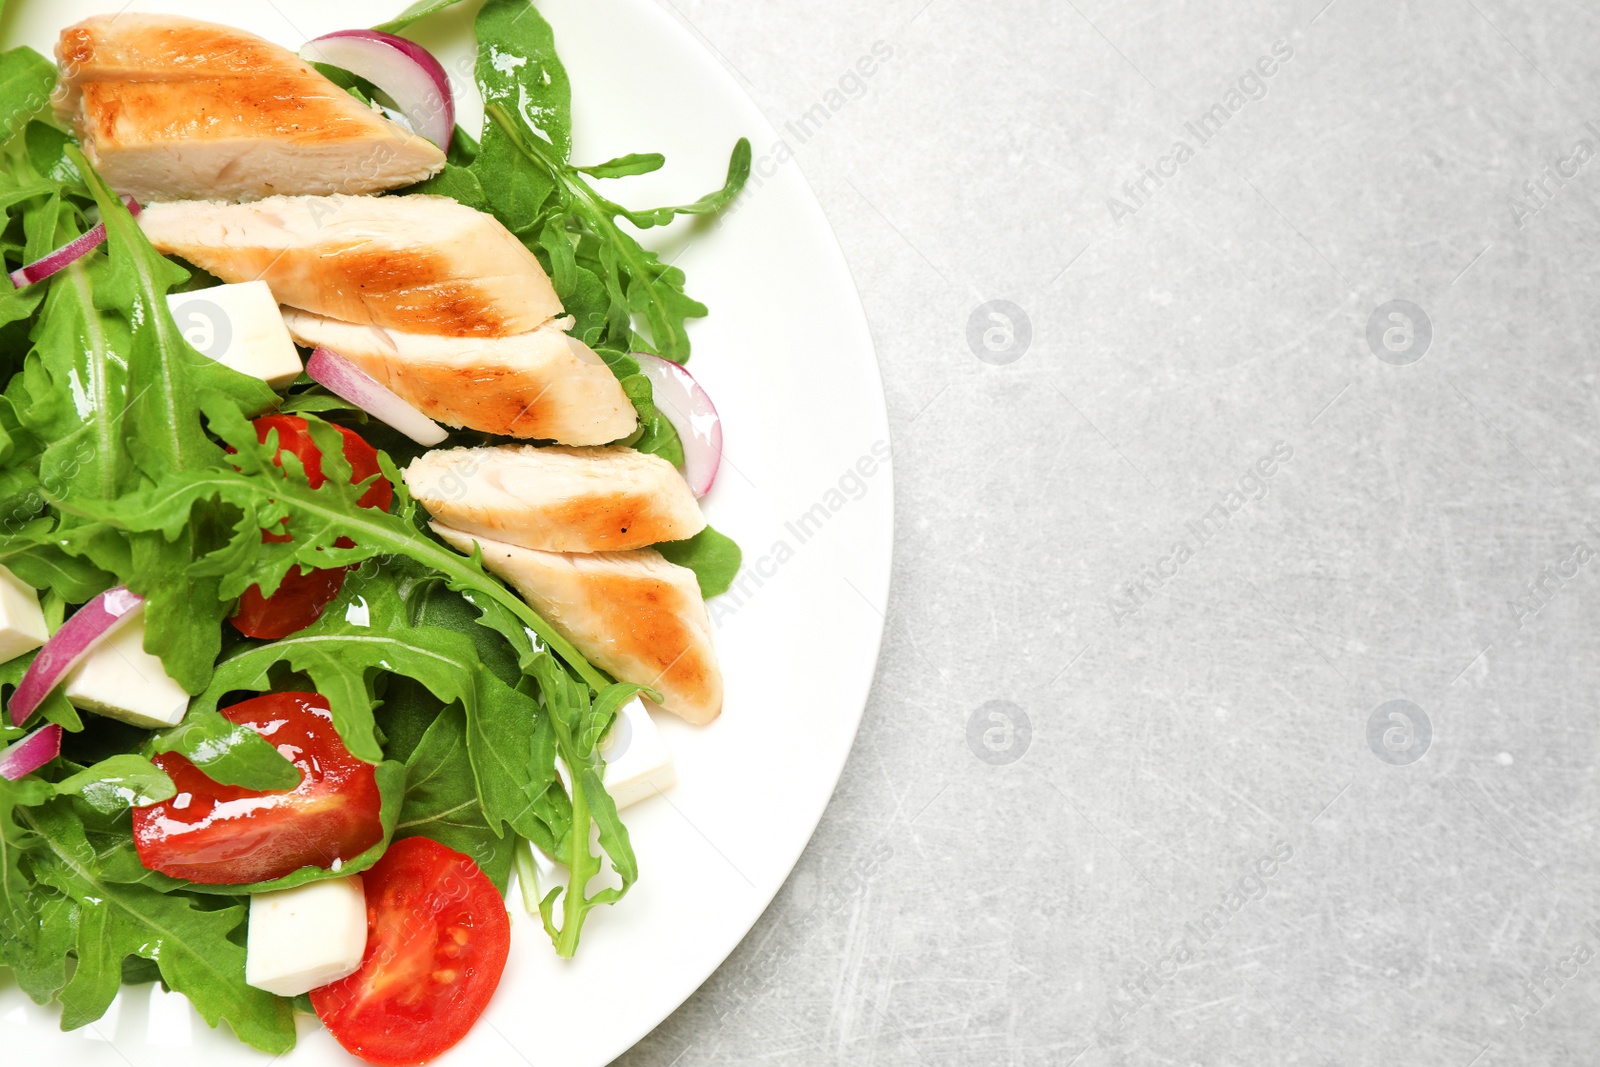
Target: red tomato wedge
(300, 600)
(437, 940)
(223, 835)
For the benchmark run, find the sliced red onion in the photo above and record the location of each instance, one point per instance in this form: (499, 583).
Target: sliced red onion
(404, 69)
(692, 414)
(31, 753)
(68, 253)
(349, 382)
(68, 646)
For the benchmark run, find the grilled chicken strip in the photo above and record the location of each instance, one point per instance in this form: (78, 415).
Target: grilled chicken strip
(632, 614)
(541, 385)
(170, 108)
(557, 499)
(425, 264)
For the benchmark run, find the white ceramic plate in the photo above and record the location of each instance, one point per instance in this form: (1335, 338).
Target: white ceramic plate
(788, 357)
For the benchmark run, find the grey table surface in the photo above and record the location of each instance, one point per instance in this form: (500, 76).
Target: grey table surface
(1181, 523)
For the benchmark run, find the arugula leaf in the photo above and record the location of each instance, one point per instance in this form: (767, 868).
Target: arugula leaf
(227, 752)
(713, 556)
(118, 783)
(15, 838)
(77, 352)
(430, 603)
(138, 971)
(635, 278)
(710, 204)
(442, 800)
(589, 304)
(408, 710)
(517, 66)
(578, 726)
(415, 13)
(655, 434)
(26, 79)
(37, 941)
(626, 166)
(518, 69)
(197, 949)
(47, 154)
(167, 377)
(525, 162)
(458, 183)
(464, 148)
(38, 926)
(32, 555)
(569, 730)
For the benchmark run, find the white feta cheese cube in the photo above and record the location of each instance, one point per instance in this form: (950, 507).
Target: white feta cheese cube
(239, 325)
(120, 680)
(638, 765)
(22, 626)
(306, 937)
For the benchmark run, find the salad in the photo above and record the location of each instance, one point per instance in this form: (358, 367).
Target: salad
(349, 522)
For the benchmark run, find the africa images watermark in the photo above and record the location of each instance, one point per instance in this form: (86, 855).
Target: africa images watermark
(1251, 488)
(1251, 87)
(1127, 999)
(999, 732)
(1548, 584)
(1541, 190)
(1399, 732)
(1542, 984)
(61, 466)
(852, 484)
(850, 86)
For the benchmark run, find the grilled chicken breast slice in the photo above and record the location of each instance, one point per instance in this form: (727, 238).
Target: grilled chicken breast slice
(557, 499)
(171, 108)
(632, 614)
(425, 264)
(540, 385)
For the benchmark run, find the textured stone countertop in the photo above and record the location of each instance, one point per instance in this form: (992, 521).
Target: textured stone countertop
(1237, 701)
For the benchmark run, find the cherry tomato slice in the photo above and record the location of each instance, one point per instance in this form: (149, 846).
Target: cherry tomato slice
(224, 835)
(300, 600)
(437, 940)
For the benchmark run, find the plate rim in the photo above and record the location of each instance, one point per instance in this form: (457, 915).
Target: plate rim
(755, 117)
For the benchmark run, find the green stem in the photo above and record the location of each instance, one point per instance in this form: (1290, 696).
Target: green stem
(582, 863)
(527, 874)
(580, 867)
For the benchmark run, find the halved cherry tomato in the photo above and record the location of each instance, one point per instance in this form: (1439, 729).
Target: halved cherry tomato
(437, 940)
(224, 835)
(300, 600)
